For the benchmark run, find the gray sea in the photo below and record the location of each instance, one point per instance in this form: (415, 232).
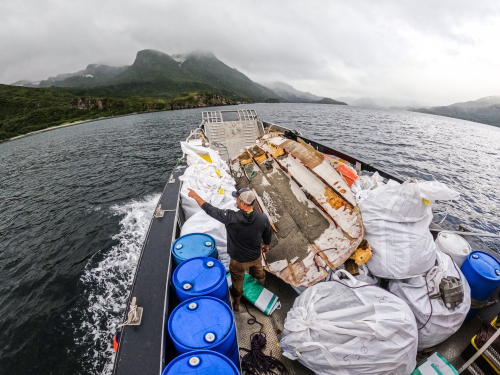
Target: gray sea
(76, 202)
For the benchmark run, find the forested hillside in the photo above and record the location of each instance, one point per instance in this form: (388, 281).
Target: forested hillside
(23, 109)
(156, 74)
(484, 110)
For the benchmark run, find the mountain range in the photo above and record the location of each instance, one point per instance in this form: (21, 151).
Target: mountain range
(292, 95)
(156, 74)
(381, 102)
(484, 110)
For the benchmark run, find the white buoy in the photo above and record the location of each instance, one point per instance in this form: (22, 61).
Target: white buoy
(454, 245)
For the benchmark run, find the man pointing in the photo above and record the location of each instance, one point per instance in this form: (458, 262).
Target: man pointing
(246, 230)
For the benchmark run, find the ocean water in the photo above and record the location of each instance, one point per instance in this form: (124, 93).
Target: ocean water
(75, 205)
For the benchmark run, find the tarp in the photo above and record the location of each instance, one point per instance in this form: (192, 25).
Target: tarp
(257, 295)
(364, 276)
(367, 183)
(347, 327)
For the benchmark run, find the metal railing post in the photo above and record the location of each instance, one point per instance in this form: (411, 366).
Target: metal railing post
(479, 352)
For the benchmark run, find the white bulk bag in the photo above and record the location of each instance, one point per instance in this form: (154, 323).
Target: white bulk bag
(396, 220)
(200, 222)
(347, 327)
(193, 156)
(442, 322)
(204, 180)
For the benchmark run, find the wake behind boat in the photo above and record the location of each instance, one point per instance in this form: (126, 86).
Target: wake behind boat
(305, 190)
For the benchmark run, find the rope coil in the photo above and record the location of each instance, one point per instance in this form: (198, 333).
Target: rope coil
(256, 362)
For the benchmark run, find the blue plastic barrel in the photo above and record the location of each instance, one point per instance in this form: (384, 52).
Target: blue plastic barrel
(204, 323)
(202, 276)
(204, 362)
(192, 246)
(482, 272)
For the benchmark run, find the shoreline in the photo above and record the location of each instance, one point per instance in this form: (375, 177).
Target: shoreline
(98, 119)
(70, 124)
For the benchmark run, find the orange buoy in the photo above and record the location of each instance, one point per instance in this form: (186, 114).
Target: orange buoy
(116, 341)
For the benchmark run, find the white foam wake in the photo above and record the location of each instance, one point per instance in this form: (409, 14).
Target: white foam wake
(107, 284)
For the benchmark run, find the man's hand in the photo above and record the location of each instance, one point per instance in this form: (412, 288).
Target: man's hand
(196, 197)
(265, 249)
(193, 194)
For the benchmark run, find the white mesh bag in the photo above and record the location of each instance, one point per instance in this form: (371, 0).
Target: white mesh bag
(348, 327)
(210, 187)
(396, 220)
(200, 222)
(435, 323)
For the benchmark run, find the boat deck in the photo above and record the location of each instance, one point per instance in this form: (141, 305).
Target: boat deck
(451, 349)
(272, 325)
(147, 348)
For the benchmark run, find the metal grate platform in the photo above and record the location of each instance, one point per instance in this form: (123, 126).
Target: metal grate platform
(273, 325)
(452, 347)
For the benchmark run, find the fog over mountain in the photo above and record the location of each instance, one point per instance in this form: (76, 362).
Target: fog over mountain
(382, 102)
(427, 52)
(157, 74)
(290, 93)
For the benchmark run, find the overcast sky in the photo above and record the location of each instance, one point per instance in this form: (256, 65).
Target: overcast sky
(432, 52)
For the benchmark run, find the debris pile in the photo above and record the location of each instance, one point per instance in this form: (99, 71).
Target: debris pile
(331, 224)
(308, 200)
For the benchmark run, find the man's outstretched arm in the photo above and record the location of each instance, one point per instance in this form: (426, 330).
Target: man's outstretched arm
(220, 215)
(196, 197)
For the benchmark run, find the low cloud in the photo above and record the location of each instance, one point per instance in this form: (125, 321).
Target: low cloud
(430, 52)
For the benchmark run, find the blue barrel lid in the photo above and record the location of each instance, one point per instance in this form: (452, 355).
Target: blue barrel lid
(199, 275)
(204, 362)
(485, 264)
(200, 322)
(194, 245)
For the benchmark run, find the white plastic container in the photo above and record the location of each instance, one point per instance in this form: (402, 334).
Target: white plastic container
(454, 245)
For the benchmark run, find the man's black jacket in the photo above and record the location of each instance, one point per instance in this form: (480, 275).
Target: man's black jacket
(245, 231)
